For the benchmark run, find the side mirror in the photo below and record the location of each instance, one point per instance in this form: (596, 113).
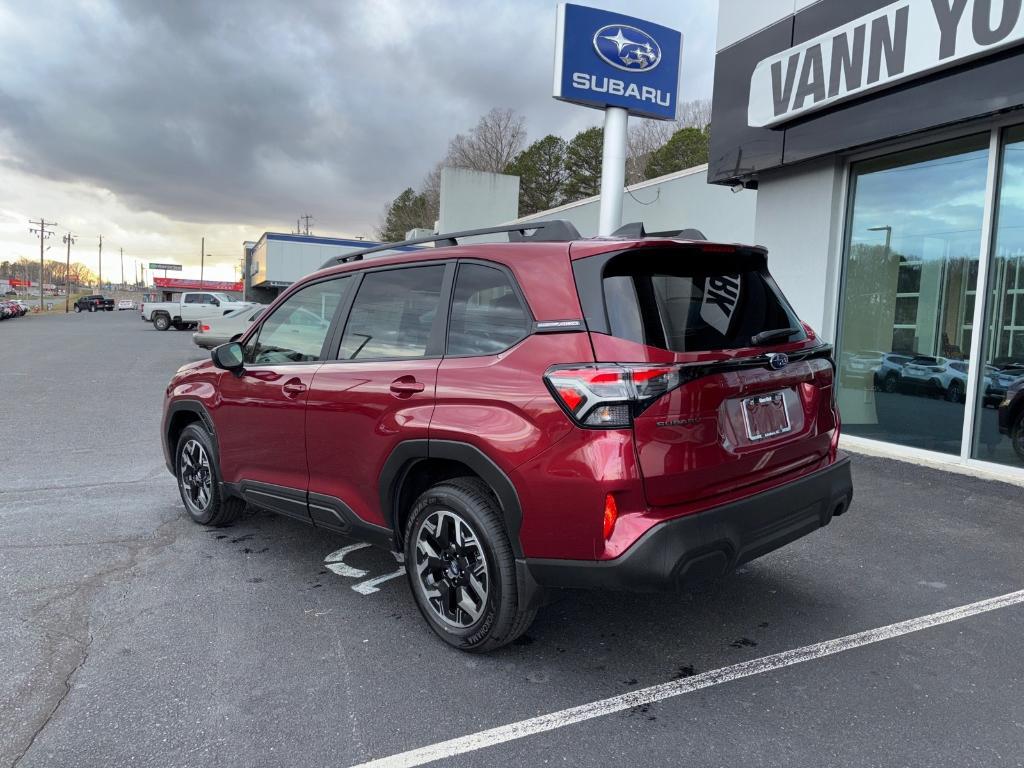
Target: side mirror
(229, 356)
(216, 302)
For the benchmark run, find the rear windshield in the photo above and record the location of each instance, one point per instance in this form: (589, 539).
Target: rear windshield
(695, 302)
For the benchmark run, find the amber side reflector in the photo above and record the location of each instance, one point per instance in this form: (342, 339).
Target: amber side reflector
(611, 514)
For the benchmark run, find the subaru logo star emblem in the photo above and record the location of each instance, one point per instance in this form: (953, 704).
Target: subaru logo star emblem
(626, 47)
(778, 361)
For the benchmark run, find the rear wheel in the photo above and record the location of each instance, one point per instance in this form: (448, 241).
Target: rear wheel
(78, 308)
(161, 322)
(891, 382)
(461, 568)
(199, 479)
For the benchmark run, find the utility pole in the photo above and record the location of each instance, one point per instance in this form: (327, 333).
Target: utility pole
(306, 217)
(202, 261)
(122, 269)
(68, 239)
(39, 228)
(101, 264)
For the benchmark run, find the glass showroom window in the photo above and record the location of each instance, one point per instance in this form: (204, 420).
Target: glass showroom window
(999, 413)
(909, 280)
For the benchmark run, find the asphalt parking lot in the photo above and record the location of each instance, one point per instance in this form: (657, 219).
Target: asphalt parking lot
(131, 636)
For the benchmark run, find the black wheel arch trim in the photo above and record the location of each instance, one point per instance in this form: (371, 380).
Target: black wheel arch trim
(407, 454)
(189, 406)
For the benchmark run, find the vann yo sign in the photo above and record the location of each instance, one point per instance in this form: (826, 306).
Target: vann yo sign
(901, 41)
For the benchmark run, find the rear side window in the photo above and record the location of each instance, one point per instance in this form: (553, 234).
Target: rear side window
(487, 316)
(693, 302)
(393, 314)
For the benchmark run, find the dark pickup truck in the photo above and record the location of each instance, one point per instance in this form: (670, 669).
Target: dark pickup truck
(94, 303)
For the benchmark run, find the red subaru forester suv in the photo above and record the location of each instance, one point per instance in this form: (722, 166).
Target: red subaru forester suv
(629, 413)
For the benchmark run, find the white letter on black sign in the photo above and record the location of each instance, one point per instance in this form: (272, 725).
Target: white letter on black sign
(983, 32)
(948, 17)
(892, 44)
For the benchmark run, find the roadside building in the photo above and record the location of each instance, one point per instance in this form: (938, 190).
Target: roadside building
(276, 260)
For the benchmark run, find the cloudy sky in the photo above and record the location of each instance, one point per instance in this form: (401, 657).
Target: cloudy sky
(155, 123)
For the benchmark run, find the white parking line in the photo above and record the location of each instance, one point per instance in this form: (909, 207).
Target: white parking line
(553, 720)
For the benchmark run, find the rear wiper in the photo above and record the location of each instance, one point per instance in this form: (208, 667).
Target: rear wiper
(778, 333)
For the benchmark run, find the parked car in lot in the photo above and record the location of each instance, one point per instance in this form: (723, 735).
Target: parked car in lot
(229, 327)
(126, 304)
(1011, 416)
(94, 303)
(624, 413)
(189, 309)
(937, 376)
(10, 309)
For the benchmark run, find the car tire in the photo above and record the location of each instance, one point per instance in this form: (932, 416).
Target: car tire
(891, 382)
(1017, 436)
(179, 326)
(78, 309)
(92, 308)
(467, 593)
(955, 392)
(195, 467)
(161, 322)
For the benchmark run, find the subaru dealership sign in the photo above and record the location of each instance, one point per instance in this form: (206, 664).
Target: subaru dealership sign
(604, 59)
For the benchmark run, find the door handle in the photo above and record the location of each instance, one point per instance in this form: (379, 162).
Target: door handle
(406, 386)
(293, 388)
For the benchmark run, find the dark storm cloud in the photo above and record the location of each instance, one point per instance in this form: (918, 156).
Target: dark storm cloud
(252, 111)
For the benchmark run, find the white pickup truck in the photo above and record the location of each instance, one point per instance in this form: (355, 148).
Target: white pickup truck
(189, 309)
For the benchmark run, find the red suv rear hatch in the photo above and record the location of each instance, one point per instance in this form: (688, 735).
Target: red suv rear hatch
(726, 387)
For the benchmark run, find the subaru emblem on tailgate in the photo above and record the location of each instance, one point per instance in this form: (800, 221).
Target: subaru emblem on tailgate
(778, 361)
(626, 47)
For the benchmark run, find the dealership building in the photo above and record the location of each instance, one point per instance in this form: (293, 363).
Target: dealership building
(886, 144)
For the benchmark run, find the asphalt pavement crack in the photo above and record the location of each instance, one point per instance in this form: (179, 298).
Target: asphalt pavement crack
(53, 711)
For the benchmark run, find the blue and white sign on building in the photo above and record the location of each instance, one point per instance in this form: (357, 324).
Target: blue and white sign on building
(605, 59)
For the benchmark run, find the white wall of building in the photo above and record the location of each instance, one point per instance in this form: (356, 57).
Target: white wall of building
(679, 200)
(473, 199)
(799, 219)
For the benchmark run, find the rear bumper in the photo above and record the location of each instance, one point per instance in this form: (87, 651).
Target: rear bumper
(689, 549)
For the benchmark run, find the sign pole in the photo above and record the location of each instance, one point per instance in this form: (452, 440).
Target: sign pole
(613, 170)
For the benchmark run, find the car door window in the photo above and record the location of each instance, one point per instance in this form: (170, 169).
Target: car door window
(487, 315)
(296, 330)
(393, 314)
(193, 298)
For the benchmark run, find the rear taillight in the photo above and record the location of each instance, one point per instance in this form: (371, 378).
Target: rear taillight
(609, 396)
(204, 328)
(611, 514)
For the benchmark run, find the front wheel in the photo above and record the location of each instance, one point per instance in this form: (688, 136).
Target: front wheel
(956, 393)
(461, 568)
(199, 479)
(78, 309)
(161, 322)
(1017, 436)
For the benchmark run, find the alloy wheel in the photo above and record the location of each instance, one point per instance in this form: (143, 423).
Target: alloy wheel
(196, 476)
(452, 573)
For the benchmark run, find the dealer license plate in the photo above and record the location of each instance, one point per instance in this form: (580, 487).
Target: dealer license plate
(765, 416)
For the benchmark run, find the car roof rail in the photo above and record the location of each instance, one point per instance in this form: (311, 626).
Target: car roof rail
(554, 231)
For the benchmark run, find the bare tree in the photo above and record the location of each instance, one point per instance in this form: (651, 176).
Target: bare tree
(695, 114)
(431, 191)
(645, 137)
(491, 145)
